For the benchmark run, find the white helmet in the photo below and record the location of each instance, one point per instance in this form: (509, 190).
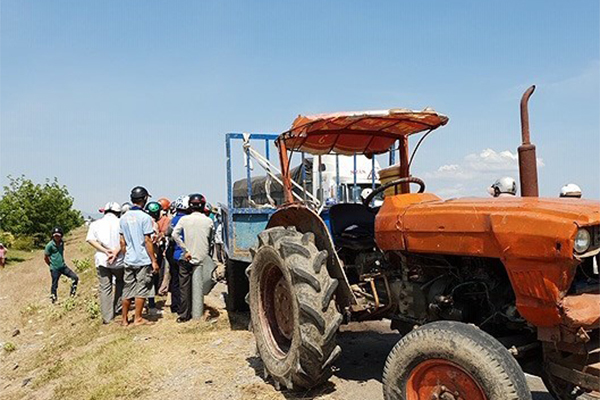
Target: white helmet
(182, 203)
(570, 190)
(111, 206)
(126, 207)
(506, 185)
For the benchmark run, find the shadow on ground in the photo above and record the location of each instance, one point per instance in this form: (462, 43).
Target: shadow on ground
(239, 321)
(363, 354)
(327, 388)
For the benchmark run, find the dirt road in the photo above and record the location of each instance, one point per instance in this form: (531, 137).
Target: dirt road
(63, 351)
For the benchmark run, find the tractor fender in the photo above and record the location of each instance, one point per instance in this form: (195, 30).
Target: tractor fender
(306, 220)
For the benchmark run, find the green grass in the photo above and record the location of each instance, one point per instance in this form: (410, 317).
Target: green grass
(17, 256)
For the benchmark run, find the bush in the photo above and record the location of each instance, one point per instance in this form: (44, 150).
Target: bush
(93, 308)
(70, 304)
(9, 347)
(26, 243)
(28, 209)
(82, 265)
(7, 239)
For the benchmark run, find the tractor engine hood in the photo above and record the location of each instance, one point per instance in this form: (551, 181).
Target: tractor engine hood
(533, 237)
(530, 227)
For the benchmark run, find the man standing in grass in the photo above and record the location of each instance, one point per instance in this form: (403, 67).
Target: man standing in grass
(136, 242)
(103, 235)
(54, 258)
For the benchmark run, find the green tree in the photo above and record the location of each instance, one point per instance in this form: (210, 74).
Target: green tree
(28, 209)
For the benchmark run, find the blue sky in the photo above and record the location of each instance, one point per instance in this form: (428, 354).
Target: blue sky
(107, 95)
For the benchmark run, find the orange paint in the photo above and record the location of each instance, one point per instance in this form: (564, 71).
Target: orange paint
(532, 236)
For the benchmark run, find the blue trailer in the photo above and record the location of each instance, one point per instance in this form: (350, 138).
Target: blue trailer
(241, 225)
(250, 205)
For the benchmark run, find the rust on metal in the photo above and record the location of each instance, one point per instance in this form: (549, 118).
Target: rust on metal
(404, 164)
(527, 154)
(362, 132)
(533, 237)
(582, 310)
(285, 169)
(442, 379)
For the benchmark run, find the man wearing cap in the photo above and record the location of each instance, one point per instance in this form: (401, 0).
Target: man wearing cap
(136, 230)
(54, 258)
(103, 235)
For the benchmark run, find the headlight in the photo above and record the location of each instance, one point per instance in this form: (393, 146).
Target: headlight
(583, 240)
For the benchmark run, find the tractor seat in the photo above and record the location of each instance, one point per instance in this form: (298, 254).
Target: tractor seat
(352, 226)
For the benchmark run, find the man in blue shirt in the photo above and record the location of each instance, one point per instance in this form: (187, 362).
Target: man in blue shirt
(136, 229)
(174, 253)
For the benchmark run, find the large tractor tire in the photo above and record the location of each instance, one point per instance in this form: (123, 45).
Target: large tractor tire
(294, 315)
(452, 360)
(237, 285)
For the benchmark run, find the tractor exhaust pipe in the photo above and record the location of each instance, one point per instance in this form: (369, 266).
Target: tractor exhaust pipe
(527, 158)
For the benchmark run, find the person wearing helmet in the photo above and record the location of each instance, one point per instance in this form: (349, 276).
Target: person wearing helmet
(174, 252)
(207, 209)
(163, 225)
(125, 207)
(193, 235)
(504, 187)
(136, 231)
(54, 258)
(571, 190)
(164, 203)
(154, 209)
(103, 235)
(219, 247)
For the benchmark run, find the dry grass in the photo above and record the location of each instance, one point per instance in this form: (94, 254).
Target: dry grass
(64, 352)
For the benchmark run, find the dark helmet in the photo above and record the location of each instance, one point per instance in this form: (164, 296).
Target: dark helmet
(57, 230)
(153, 208)
(139, 193)
(197, 202)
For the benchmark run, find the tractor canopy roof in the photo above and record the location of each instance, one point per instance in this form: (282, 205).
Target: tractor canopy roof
(362, 132)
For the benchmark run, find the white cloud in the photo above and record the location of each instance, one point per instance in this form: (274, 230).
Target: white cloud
(475, 173)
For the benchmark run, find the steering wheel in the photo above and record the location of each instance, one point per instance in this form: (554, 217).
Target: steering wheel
(411, 179)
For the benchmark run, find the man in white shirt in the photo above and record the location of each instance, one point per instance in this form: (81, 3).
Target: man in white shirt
(103, 235)
(193, 235)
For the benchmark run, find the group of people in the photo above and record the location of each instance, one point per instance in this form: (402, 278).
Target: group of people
(507, 187)
(144, 249)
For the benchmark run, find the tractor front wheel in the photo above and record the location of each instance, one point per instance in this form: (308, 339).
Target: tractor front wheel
(453, 361)
(294, 316)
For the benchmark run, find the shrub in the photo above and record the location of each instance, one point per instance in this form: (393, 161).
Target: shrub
(93, 308)
(7, 239)
(26, 243)
(70, 304)
(9, 347)
(82, 265)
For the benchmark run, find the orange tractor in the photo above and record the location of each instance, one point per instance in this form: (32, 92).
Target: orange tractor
(479, 288)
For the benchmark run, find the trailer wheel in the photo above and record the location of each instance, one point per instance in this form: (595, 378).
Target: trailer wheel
(237, 285)
(294, 316)
(452, 360)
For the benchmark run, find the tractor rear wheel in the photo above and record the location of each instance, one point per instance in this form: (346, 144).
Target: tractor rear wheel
(294, 315)
(454, 361)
